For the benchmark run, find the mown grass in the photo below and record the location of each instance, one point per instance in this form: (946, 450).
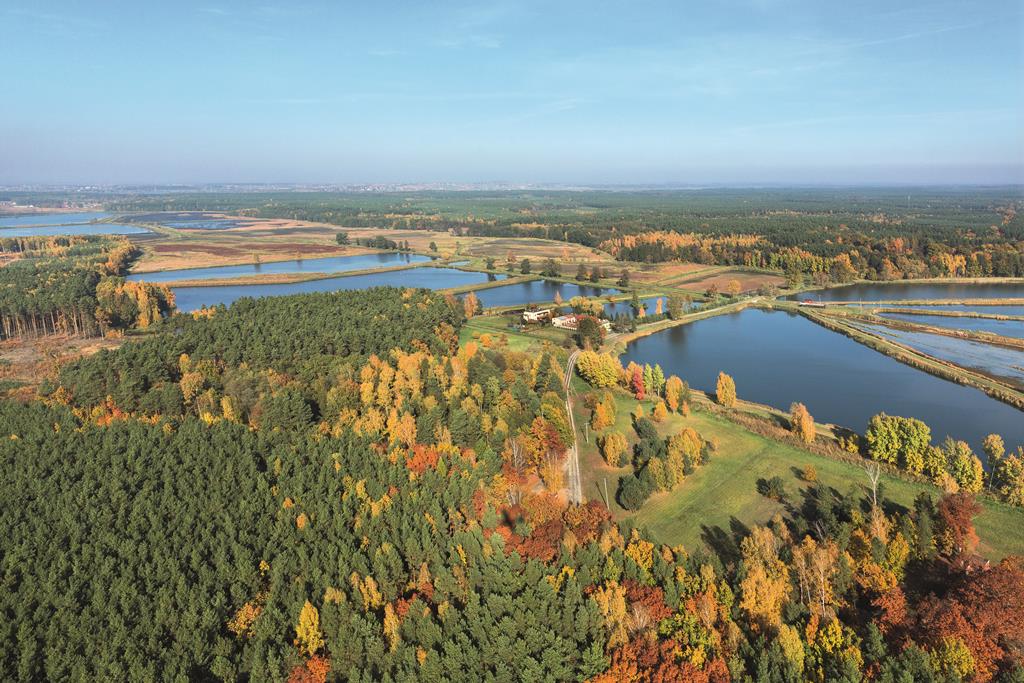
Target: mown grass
(497, 325)
(721, 497)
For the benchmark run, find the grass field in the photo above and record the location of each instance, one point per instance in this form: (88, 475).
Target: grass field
(721, 498)
(497, 325)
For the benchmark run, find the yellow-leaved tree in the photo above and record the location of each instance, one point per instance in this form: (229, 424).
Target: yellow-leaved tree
(599, 369)
(675, 391)
(307, 633)
(613, 446)
(801, 423)
(725, 390)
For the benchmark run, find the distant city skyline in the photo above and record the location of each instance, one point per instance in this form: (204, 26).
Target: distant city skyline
(737, 92)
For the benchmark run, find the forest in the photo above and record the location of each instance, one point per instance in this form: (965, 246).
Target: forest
(815, 235)
(74, 285)
(331, 487)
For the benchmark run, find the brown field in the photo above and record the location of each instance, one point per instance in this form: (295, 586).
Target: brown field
(749, 281)
(267, 239)
(665, 273)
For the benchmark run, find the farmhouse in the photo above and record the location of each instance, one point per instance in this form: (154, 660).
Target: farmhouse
(572, 322)
(537, 316)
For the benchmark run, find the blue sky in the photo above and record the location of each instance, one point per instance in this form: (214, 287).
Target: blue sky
(734, 91)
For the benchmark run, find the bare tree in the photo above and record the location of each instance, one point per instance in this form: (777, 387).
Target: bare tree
(874, 472)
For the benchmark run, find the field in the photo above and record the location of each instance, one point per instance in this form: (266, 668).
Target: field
(749, 281)
(266, 240)
(721, 498)
(498, 325)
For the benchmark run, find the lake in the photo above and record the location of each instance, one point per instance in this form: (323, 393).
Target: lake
(77, 229)
(537, 291)
(778, 358)
(899, 290)
(193, 298)
(1006, 328)
(332, 264)
(51, 219)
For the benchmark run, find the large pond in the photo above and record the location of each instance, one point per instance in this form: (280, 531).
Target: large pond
(51, 219)
(899, 290)
(193, 298)
(999, 361)
(779, 358)
(999, 310)
(1006, 328)
(332, 264)
(536, 291)
(625, 307)
(77, 229)
(192, 220)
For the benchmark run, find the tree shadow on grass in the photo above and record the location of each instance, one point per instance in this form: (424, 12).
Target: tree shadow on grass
(725, 544)
(721, 543)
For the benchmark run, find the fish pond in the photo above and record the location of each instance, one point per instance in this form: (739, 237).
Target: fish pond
(1006, 328)
(193, 220)
(74, 229)
(51, 219)
(893, 291)
(1001, 362)
(779, 358)
(537, 291)
(430, 277)
(331, 264)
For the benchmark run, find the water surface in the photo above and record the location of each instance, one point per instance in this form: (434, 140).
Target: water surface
(778, 358)
(78, 229)
(1006, 328)
(537, 291)
(898, 290)
(332, 264)
(999, 361)
(625, 307)
(52, 219)
(193, 220)
(193, 298)
(999, 310)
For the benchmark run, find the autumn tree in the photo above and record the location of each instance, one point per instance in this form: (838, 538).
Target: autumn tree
(613, 447)
(676, 391)
(308, 637)
(1009, 477)
(994, 449)
(815, 565)
(765, 585)
(599, 369)
(956, 535)
(470, 304)
(725, 390)
(801, 423)
(603, 415)
(964, 466)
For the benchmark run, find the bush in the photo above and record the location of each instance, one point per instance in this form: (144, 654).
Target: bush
(773, 488)
(631, 493)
